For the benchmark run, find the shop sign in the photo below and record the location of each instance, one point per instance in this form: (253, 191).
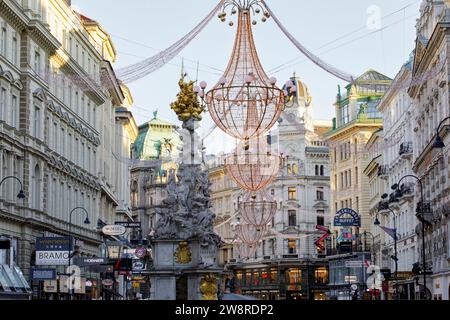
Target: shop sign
(129, 225)
(141, 252)
(85, 262)
(43, 274)
(347, 218)
(138, 266)
(63, 284)
(82, 288)
(107, 282)
(51, 286)
(114, 230)
(52, 251)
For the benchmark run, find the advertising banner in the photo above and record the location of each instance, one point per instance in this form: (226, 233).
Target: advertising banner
(52, 251)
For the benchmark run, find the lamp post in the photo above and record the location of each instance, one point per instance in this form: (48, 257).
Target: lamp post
(422, 212)
(86, 221)
(438, 143)
(395, 257)
(21, 194)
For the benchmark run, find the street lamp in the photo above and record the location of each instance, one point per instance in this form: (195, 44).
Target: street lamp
(438, 143)
(395, 257)
(21, 194)
(422, 212)
(86, 221)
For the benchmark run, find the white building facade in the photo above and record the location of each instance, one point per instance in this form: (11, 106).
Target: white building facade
(58, 131)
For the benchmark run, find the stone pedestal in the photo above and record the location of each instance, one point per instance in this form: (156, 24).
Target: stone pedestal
(178, 270)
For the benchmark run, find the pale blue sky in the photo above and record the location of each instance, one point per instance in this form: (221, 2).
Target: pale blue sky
(150, 25)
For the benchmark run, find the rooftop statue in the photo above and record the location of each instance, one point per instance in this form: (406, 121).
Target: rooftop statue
(187, 106)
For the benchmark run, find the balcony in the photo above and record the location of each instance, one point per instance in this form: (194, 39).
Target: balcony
(383, 172)
(407, 191)
(383, 206)
(406, 150)
(425, 208)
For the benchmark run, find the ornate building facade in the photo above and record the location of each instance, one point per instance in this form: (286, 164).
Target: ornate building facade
(431, 105)
(396, 149)
(65, 131)
(155, 153)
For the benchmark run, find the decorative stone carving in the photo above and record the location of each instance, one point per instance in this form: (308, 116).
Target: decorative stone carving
(185, 214)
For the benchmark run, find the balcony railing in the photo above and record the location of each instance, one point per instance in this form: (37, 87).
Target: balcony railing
(424, 207)
(406, 149)
(407, 190)
(383, 171)
(383, 205)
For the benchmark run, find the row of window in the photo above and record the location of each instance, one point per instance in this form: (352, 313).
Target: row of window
(292, 218)
(347, 204)
(9, 43)
(345, 180)
(9, 97)
(66, 90)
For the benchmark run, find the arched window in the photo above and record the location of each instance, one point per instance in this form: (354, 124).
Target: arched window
(37, 188)
(322, 171)
(317, 170)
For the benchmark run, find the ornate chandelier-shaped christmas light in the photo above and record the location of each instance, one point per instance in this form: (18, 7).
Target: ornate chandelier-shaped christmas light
(258, 210)
(248, 234)
(253, 166)
(243, 250)
(246, 102)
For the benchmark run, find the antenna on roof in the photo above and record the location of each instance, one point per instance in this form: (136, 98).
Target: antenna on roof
(196, 77)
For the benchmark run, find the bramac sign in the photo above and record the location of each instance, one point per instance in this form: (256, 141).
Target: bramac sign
(347, 218)
(52, 251)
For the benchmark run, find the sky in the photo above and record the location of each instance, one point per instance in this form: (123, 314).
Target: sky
(346, 34)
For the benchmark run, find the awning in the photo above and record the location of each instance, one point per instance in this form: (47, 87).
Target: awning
(12, 281)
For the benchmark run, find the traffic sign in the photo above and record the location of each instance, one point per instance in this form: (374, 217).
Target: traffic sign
(140, 252)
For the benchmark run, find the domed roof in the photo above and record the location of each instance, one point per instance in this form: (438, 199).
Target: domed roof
(302, 91)
(154, 138)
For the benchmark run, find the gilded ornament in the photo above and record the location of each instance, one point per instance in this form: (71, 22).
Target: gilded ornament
(183, 253)
(187, 105)
(208, 287)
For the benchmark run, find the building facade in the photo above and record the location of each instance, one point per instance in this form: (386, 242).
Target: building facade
(357, 118)
(155, 153)
(58, 128)
(287, 264)
(396, 162)
(430, 96)
(356, 121)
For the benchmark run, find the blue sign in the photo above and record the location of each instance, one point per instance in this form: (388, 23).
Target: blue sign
(43, 274)
(53, 244)
(347, 218)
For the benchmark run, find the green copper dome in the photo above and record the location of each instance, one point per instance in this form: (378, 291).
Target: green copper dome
(157, 138)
